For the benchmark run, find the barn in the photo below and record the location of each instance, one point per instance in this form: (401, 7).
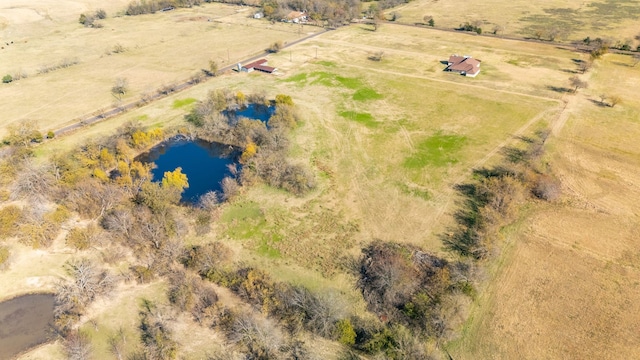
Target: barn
(258, 65)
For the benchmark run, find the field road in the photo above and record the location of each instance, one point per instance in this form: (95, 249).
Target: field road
(161, 94)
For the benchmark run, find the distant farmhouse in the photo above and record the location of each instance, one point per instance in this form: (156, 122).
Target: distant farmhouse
(465, 65)
(296, 17)
(258, 65)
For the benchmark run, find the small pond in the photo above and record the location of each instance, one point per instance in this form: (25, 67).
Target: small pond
(251, 111)
(204, 163)
(25, 322)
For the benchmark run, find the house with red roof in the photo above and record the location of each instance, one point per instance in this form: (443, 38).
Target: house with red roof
(464, 65)
(258, 65)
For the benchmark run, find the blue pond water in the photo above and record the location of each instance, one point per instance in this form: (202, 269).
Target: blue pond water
(204, 163)
(252, 111)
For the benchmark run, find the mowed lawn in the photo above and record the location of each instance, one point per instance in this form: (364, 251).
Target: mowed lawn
(567, 285)
(576, 19)
(157, 50)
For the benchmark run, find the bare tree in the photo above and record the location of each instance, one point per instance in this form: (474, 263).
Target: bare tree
(261, 337)
(603, 99)
(577, 83)
(156, 333)
(117, 344)
(77, 345)
(34, 181)
(230, 187)
(119, 88)
(585, 65)
(213, 68)
(73, 296)
(615, 100)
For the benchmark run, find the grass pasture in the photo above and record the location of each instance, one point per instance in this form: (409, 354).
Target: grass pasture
(157, 50)
(387, 141)
(613, 19)
(568, 283)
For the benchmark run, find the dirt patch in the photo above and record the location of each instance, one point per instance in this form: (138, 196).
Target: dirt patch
(25, 322)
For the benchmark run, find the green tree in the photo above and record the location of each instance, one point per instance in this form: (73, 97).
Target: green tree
(7, 79)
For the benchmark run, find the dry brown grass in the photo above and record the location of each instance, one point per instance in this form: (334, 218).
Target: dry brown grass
(160, 49)
(577, 18)
(567, 287)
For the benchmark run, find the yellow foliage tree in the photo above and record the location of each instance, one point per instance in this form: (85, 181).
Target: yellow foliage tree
(140, 170)
(125, 174)
(249, 151)
(175, 179)
(282, 99)
(140, 139)
(241, 99)
(156, 134)
(100, 175)
(107, 160)
(123, 151)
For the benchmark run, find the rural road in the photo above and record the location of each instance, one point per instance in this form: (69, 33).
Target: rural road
(161, 94)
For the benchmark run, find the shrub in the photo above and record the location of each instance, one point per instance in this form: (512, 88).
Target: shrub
(9, 217)
(204, 258)
(546, 188)
(275, 47)
(345, 332)
(4, 257)
(282, 99)
(7, 79)
(82, 239)
(101, 14)
(51, 135)
(142, 274)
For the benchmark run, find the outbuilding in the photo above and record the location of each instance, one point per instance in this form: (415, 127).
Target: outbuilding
(258, 65)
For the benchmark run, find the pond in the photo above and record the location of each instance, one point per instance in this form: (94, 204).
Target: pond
(204, 163)
(251, 111)
(25, 322)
